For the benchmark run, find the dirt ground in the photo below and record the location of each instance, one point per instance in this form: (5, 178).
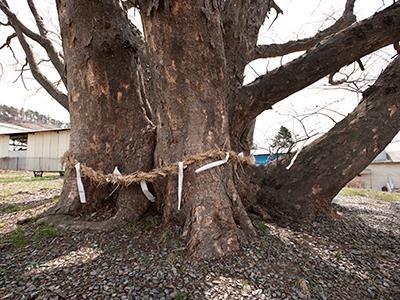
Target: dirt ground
(356, 257)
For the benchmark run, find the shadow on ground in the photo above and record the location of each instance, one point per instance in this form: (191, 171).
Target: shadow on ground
(356, 257)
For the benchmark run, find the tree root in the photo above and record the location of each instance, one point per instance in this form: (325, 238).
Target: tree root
(217, 223)
(67, 222)
(131, 206)
(239, 212)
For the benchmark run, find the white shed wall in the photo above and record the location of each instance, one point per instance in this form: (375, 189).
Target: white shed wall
(45, 150)
(4, 142)
(378, 174)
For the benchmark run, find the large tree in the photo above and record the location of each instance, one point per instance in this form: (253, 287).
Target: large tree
(144, 102)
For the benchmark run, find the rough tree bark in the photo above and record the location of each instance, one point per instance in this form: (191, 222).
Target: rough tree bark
(193, 55)
(325, 58)
(192, 117)
(195, 104)
(329, 163)
(108, 125)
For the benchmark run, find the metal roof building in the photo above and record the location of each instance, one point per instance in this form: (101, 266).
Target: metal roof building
(38, 150)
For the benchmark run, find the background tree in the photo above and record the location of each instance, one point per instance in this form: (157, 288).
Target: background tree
(144, 102)
(282, 142)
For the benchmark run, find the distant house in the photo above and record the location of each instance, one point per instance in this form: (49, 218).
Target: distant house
(36, 150)
(384, 171)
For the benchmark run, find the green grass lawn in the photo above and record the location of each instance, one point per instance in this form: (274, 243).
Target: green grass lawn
(386, 196)
(14, 182)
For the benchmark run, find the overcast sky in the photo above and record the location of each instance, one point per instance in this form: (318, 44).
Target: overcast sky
(300, 19)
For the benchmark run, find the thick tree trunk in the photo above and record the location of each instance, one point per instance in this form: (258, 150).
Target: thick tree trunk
(109, 125)
(325, 166)
(192, 118)
(194, 88)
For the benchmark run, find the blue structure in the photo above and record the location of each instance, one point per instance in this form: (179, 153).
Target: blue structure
(263, 159)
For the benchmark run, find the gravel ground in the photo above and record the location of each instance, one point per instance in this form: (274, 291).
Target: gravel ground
(356, 257)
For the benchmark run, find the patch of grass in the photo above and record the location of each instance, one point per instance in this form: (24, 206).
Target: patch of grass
(32, 265)
(44, 232)
(262, 226)
(131, 225)
(172, 258)
(386, 196)
(10, 208)
(12, 183)
(144, 259)
(338, 255)
(245, 282)
(151, 223)
(4, 271)
(170, 237)
(27, 179)
(180, 296)
(18, 238)
(21, 237)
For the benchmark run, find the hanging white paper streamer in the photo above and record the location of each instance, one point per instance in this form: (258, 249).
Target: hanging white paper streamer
(180, 183)
(117, 172)
(79, 183)
(213, 164)
(295, 156)
(146, 191)
(390, 184)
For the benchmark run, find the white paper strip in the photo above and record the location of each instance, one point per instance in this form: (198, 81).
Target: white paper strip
(146, 191)
(117, 172)
(390, 184)
(294, 157)
(180, 183)
(79, 183)
(213, 164)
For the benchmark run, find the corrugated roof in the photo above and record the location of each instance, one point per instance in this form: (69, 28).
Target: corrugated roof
(34, 131)
(381, 157)
(394, 156)
(386, 157)
(6, 128)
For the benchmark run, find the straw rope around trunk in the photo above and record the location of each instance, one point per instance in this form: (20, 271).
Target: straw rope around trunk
(135, 178)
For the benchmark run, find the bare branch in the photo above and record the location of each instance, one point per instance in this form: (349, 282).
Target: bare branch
(40, 39)
(332, 81)
(366, 131)
(40, 78)
(38, 18)
(21, 74)
(345, 47)
(276, 50)
(8, 40)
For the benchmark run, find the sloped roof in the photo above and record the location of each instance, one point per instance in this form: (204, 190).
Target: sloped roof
(382, 157)
(387, 157)
(27, 131)
(394, 156)
(26, 127)
(6, 128)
